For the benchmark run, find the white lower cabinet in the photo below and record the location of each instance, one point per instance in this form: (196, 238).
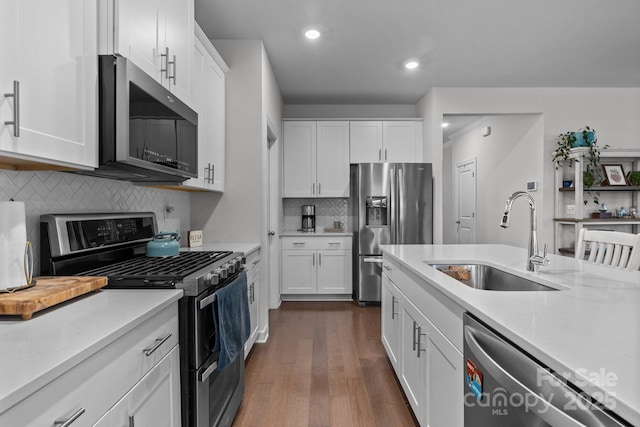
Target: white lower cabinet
(413, 358)
(152, 401)
(253, 286)
(445, 370)
(391, 326)
(141, 367)
(316, 265)
(428, 365)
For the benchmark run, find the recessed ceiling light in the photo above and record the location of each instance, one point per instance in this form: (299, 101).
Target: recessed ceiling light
(411, 65)
(312, 34)
(445, 124)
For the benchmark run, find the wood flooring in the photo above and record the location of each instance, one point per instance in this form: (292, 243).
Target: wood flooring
(323, 365)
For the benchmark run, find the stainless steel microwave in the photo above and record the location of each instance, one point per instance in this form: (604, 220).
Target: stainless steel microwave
(146, 133)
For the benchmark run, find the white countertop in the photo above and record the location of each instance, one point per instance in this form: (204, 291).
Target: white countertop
(246, 248)
(318, 233)
(591, 330)
(34, 352)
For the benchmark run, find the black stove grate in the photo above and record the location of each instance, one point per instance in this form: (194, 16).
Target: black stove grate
(173, 267)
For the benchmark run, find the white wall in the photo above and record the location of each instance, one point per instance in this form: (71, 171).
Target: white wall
(613, 112)
(61, 192)
(348, 111)
(505, 161)
(236, 215)
(272, 116)
(240, 213)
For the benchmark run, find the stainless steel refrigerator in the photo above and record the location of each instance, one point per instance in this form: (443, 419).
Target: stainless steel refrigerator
(391, 204)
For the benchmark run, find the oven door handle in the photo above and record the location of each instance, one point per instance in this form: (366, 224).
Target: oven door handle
(207, 372)
(207, 301)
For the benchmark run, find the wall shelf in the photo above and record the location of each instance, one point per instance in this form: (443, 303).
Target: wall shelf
(567, 227)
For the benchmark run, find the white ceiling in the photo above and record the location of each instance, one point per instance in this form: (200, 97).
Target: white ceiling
(463, 43)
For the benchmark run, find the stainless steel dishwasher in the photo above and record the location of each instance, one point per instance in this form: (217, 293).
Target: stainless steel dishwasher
(505, 387)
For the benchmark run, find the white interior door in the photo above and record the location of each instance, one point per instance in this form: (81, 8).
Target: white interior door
(465, 198)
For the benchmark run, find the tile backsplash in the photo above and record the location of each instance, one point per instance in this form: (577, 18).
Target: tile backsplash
(327, 211)
(62, 192)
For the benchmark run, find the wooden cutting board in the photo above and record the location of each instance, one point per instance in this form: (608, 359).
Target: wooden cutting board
(47, 292)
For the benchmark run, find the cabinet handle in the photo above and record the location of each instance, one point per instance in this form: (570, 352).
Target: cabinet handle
(415, 328)
(165, 69)
(213, 169)
(159, 341)
(16, 108)
(132, 422)
(252, 292)
(313, 259)
(420, 334)
(393, 307)
(386, 267)
(70, 420)
(319, 188)
(379, 153)
(319, 259)
(174, 70)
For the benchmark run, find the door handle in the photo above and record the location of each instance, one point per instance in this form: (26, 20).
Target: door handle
(271, 233)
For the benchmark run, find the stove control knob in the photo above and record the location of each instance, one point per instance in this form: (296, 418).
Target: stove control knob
(240, 261)
(208, 279)
(231, 267)
(221, 272)
(214, 277)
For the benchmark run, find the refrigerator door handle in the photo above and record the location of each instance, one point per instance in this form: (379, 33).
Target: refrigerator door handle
(401, 196)
(377, 260)
(529, 372)
(393, 201)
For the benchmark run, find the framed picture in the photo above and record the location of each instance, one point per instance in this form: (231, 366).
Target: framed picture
(614, 174)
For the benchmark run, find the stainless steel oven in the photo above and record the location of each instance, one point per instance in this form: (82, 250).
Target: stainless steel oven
(113, 245)
(214, 395)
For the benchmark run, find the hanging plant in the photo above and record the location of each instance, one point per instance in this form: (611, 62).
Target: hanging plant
(584, 137)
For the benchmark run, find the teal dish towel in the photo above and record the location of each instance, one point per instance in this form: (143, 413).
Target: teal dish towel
(231, 320)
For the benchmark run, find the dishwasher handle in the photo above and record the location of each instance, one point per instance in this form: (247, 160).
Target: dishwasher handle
(569, 407)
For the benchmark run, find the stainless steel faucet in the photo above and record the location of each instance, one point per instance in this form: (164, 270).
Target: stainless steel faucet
(533, 258)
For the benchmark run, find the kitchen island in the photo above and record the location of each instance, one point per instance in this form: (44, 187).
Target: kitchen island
(587, 330)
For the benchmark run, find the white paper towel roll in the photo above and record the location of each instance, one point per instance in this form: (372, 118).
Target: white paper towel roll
(13, 238)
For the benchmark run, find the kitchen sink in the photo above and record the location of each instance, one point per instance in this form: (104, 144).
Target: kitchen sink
(485, 277)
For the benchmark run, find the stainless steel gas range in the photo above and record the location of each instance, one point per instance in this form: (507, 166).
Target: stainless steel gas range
(113, 245)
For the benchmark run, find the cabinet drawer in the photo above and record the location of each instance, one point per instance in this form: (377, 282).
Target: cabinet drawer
(98, 382)
(326, 243)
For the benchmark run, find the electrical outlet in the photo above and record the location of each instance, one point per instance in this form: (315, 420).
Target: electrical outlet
(571, 209)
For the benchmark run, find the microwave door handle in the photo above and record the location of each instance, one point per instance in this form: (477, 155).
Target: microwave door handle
(562, 396)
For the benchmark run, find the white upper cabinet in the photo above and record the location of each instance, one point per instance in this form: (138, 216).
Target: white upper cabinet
(156, 35)
(332, 159)
(208, 99)
(399, 142)
(385, 141)
(50, 50)
(316, 159)
(365, 142)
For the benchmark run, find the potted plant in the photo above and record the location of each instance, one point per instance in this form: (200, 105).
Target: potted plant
(584, 137)
(633, 178)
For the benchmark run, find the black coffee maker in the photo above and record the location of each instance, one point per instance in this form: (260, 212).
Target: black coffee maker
(309, 218)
